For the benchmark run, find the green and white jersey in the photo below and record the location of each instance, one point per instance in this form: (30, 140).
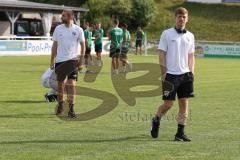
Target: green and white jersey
(116, 35)
(88, 36)
(139, 35)
(126, 38)
(99, 32)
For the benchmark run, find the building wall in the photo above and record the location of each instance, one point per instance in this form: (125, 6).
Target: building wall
(5, 28)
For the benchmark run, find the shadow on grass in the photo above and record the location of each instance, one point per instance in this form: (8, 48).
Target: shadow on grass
(28, 116)
(23, 101)
(120, 139)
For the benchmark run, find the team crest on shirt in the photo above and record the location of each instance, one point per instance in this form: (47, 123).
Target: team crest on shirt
(74, 33)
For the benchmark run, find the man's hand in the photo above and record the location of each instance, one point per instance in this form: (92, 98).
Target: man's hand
(52, 66)
(53, 54)
(163, 77)
(191, 62)
(80, 62)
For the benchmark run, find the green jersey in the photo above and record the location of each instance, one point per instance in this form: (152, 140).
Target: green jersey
(126, 38)
(116, 37)
(139, 35)
(99, 32)
(88, 36)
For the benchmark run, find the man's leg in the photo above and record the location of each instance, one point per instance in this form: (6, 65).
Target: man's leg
(99, 61)
(117, 63)
(86, 57)
(71, 92)
(182, 120)
(113, 64)
(162, 110)
(60, 98)
(99, 56)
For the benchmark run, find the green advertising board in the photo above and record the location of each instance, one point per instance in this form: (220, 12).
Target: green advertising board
(220, 50)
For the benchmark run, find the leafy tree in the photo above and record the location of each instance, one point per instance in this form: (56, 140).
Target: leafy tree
(132, 12)
(142, 12)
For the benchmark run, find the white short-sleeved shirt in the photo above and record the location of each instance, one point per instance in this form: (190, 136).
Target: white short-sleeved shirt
(177, 47)
(68, 40)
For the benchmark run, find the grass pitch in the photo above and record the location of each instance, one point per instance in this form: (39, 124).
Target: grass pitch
(30, 130)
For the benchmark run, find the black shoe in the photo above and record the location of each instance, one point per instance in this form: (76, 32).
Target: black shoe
(182, 138)
(60, 110)
(55, 97)
(71, 114)
(155, 127)
(50, 97)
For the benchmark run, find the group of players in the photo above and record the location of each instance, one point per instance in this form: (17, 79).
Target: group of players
(120, 43)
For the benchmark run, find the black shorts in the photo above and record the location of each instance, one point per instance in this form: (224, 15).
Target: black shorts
(67, 69)
(124, 51)
(182, 85)
(138, 43)
(114, 52)
(88, 50)
(98, 48)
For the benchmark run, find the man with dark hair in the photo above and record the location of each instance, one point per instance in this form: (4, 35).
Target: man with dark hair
(88, 44)
(116, 39)
(177, 68)
(125, 47)
(98, 42)
(64, 58)
(139, 40)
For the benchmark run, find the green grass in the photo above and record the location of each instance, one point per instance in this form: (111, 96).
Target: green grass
(29, 129)
(213, 22)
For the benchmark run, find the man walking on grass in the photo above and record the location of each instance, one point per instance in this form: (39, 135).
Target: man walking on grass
(64, 58)
(116, 39)
(98, 42)
(88, 45)
(125, 48)
(139, 40)
(177, 68)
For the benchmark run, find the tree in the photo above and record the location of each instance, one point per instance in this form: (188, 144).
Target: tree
(142, 12)
(121, 9)
(98, 12)
(133, 12)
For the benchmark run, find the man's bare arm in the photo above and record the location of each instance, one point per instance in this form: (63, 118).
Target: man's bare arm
(86, 43)
(82, 44)
(162, 62)
(53, 54)
(191, 62)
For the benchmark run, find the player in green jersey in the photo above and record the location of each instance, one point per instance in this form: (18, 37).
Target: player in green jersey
(116, 38)
(98, 42)
(88, 44)
(126, 43)
(139, 40)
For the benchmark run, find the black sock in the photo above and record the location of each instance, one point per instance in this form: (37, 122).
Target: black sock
(180, 130)
(156, 118)
(71, 107)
